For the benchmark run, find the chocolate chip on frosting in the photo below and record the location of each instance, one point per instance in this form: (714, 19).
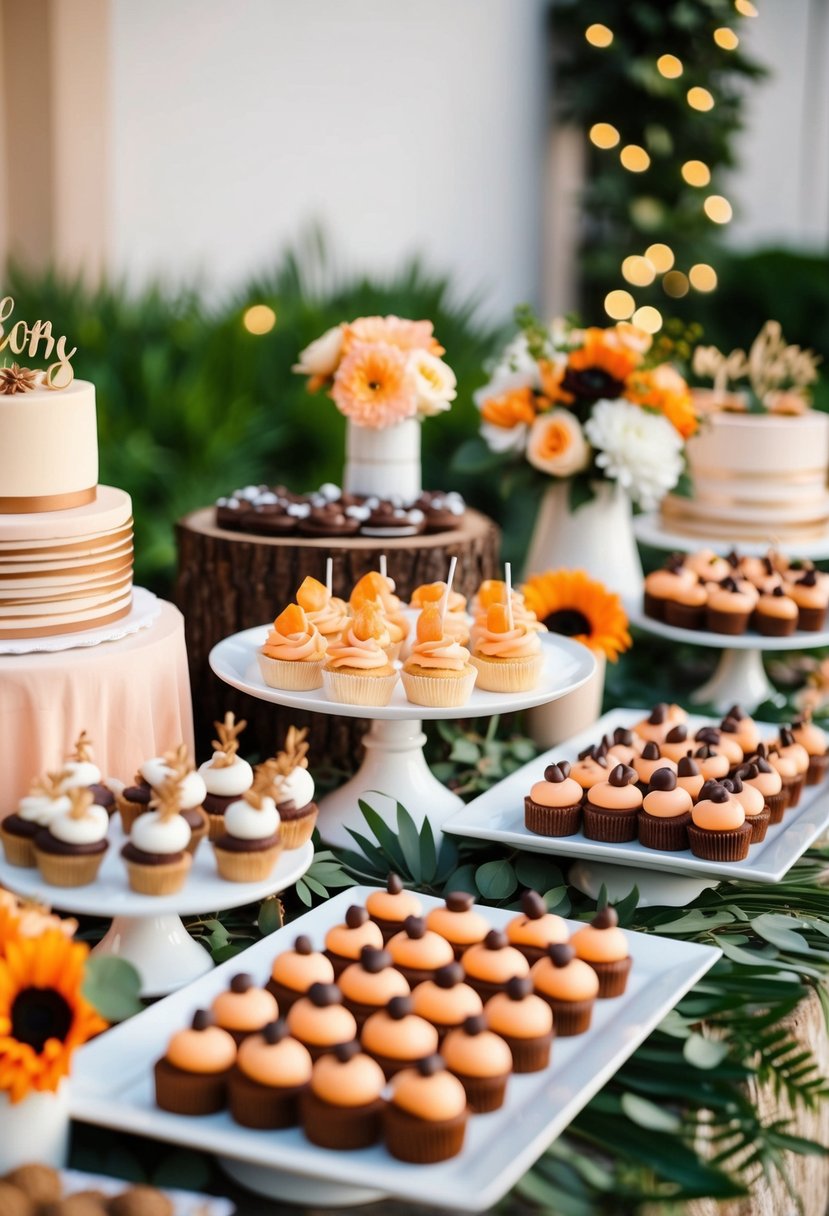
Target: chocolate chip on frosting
(622, 775)
(394, 884)
(553, 774)
(303, 945)
(729, 726)
(323, 995)
(399, 1007)
(429, 1065)
(495, 940)
(519, 987)
(606, 919)
(786, 736)
(414, 927)
(275, 1032)
(678, 734)
(688, 767)
(561, 954)
(449, 975)
(663, 779)
(373, 960)
(459, 901)
(474, 1024)
(343, 1052)
(241, 983)
(650, 752)
(202, 1019)
(356, 916)
(623, 737)
(533, 905)
(719, 793)
(708, 734)
(658, 714)
(747, 772)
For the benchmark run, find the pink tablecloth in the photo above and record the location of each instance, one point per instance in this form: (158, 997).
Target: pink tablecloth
(132, 696)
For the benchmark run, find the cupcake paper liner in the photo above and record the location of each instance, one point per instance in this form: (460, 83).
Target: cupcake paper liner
(529, 1055)
(732, 623)
(613, 977)
(129, 812)
(69, 870)
(294, 833)
(264, 1107)
(796, 789)
(759, 825)
(569, 1017)
(654, 607)
(777, 805)
(215, 826)
(483, 1094)
(730, 845)
(189, 1093)
(246, 867)
(302, 675)
(812, 620)
(165, 879)
(19, 850)
(198, 834)
(817, 769)
(684, 616)
(508, 675)
(340, 1127)
(616, 827)
(352, 689)
(669, 835)
(422, 1141)
(445, 692)
(774, 626)
(551, 820)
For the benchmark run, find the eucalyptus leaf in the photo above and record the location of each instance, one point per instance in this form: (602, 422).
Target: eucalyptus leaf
(537, 872)
(270, 916)
(496, 880)
(648, 1115)
(704, 1053)
(112, 986)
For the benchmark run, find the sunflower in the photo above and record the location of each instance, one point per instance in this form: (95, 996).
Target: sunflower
(43, 1016)
(599, 367)
(569, 602)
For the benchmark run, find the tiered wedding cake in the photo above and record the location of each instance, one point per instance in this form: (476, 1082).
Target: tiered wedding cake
(65, 542)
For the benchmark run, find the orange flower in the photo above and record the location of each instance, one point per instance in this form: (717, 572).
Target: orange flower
(393, 331)
(513, 408)
(662, 388)
(43, 1016)
(373, 385)
(552, 373)
(569, 602)
(605, 350)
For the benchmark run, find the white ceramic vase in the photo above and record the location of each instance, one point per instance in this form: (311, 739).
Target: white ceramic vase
(36, 1129)
(548, 725)
(385, 462)
(597, 537)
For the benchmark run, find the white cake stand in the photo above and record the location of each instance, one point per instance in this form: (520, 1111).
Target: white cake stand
(394, 768)
(740, 678)
(649, 530)
(147, 930)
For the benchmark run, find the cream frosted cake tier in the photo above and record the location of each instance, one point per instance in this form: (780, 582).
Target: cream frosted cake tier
(64, 571)
(755, 477)
(49, 449)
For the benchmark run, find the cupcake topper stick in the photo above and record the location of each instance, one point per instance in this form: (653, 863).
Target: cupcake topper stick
(295, 752)
(329, 576)
(383, 567)
(167, 799)
(178, 760)
(81, 800)
(83, 749)
(444, 601)
(508, 581)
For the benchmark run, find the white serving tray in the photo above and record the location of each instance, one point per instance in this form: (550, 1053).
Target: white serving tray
(112, 1079)
(498, 815)
(185, 1203)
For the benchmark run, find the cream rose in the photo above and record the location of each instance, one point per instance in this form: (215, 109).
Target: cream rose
(322, 356)
(435, 383)
(556, 444)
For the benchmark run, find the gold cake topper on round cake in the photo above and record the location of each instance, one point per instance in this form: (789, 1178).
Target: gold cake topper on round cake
(33, 340)
(778, 374)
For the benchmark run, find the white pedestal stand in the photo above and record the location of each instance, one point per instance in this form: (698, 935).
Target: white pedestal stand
(147, 930)
(296, 1188)
(394, 765)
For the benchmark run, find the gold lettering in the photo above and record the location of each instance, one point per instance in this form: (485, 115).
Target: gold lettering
(22, 337)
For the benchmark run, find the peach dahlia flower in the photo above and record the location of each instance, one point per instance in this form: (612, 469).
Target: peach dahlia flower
(374, 385)
(394, 331)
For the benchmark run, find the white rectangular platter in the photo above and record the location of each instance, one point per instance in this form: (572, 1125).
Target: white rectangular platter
(498, 815)
(112, 1080)
(185, 1203)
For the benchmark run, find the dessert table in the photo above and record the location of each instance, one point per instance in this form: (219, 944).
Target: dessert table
(132, 696)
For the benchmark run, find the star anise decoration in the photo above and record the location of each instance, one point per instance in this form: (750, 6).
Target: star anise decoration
(17, 379)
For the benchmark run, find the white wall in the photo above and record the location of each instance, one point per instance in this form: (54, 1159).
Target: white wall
(401, 125)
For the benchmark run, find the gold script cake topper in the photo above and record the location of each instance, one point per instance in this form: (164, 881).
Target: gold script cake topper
(778, 374)
(36, 341)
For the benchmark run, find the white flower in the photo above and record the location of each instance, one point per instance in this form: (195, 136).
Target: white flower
(557, 445)
(638, 449)
(322, 356)
(503, 439)
(435, 383)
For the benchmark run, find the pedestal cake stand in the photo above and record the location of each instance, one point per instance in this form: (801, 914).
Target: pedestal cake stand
(740, 678)
(394, 768)
(147, 930)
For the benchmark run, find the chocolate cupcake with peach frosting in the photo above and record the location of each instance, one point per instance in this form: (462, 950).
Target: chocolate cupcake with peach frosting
(810, 595)
(342, 1108)
(524, 1021)
(687, 606)
(553, 806)
(747, 730)
(590, 768)
(397, 1038)
(294, 652)
(708, 566)
(676, 744)
(776, 614)
(370, 984)
(713, 764)
(719, 831)
(389, 908)
(324, 611)
(417, 952)
(792, 780)
(623, 746)
(192, 1077)
(438, 671)
(729, 607)
(243, 1009)
(226, 776)
(720, 740)
(358, 670)
(446, 1000)
(752, 802)
(813, 739)
(320, 1021)
(789, 747)
(646, 765)
(611, 810)
(534, 929)
(507, 652)
(344, 942)
(492, 963)
(661, 587)
(426, 1116)
(458, 922)
(569, 986)
(665, 813)
(294, 971)
(758, 772)
(272, 1071)
(481, 1061)
(656, 725)
(689, 777)
(603, 945)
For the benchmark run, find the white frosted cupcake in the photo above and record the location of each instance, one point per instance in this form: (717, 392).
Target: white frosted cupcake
(81, 772)
(156, 855)
(249, 847)
(295, 790)
(70, 850)
(35, 810)
(191, 791)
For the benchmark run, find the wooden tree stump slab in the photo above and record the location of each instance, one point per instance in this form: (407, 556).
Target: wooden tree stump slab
(229, 581)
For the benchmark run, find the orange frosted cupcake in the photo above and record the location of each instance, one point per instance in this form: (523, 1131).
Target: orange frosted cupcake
(776, 614)
(391, 907)
(272, 1071)
(417, 952)
(660, 720)
(752, 802)
(676, 744)
(747, 732)
(524, 1021)
(790, 748)
(377, 590)
(455, 625)
(438, 671)
(320, 1021)
(535, 929)
(494, 591)
(686, 608)
(507, 653)
(813, 739)
(723, 741)
(492, 963)
(786, 767)
(611, 810)
(425, 1120)
(665, 813)
(689, 777)
(358, 670)
(649, 762)
(344, 942)
(324, 611)
(294, 653)
(481, 1061)
(243, 1009)
(719, 831)
(810, 594)
(458, 921)
(661, 587)
(397, 1038)
(294, 971)
(553, 806)
(713, 764)
(446, 1000)
(603, 946)
(191, 1079)
(369, 985)
(569, 986)
(343, 1105)
(623, 746)
(759, 773)
(590, 768)
(729, 606)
